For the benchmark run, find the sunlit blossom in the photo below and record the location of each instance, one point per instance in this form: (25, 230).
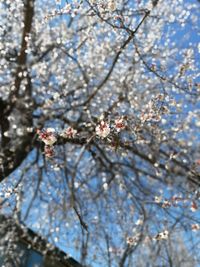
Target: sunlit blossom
(103, 129)
(119, 124)
(69, 133)
(48, 136)
(162, 235)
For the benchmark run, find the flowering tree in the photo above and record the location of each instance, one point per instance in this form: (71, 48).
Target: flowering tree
(99, 108)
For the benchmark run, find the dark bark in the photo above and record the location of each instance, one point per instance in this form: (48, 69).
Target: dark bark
(12, 156)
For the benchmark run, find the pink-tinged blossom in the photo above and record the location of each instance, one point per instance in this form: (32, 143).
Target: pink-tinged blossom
(195, 227)
(69, 133)
(49, 151)
(47, 136)
(198, 161)
(193, 207)
(103, 129)
(119, 124)
(130, 241)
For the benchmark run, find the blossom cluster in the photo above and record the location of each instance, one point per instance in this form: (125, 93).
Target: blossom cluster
(103, 129)
(132, 241)
(69, 133)
(174, 201)
(154, 110)
(109, 5)
(49, 136)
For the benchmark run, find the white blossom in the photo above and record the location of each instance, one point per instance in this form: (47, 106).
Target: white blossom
(119, 124)
(162, 236)
(103, 129)
(195, 227)
(158, 199)
(47, 136)
(69, 133)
